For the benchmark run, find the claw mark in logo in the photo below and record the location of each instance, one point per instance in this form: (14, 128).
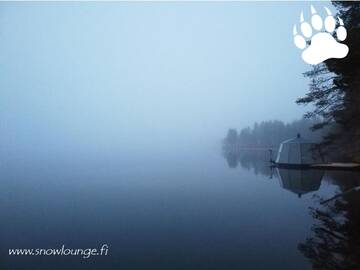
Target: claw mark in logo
(320, 44)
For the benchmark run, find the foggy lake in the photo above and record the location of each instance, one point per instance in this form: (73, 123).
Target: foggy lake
(194, 210)
(113, 118)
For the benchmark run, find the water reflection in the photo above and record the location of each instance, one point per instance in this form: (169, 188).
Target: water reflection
(334, 241)
(300, 181)
(256, 160)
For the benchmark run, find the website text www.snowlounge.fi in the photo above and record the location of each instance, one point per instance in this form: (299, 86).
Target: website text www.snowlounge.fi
(62, 251)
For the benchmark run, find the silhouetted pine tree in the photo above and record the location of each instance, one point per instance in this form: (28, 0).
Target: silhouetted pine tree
(335, 89)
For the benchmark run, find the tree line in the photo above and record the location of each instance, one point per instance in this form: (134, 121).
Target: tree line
(334, 93)
(269, 134)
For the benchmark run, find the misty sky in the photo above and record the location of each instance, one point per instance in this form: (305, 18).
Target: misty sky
(110, 75)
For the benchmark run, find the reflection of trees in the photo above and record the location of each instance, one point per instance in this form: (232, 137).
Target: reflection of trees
(335, 243)
(255, 160)
(258, 160)
(232, 160)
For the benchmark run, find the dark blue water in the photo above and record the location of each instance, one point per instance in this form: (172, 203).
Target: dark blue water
(162, 211)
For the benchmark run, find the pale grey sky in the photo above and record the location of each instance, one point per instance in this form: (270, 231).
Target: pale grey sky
(114, 75)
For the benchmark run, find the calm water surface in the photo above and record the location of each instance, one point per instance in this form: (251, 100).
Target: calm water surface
(195, 210)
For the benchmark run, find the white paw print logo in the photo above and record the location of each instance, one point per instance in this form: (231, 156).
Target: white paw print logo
(320, 44)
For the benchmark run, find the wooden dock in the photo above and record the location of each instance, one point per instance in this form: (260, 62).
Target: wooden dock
(337, 166)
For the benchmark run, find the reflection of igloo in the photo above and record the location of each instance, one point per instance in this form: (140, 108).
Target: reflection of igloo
(300, 181)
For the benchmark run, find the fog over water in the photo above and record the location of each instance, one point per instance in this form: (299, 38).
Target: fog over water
(111, 122)
(125, 77)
